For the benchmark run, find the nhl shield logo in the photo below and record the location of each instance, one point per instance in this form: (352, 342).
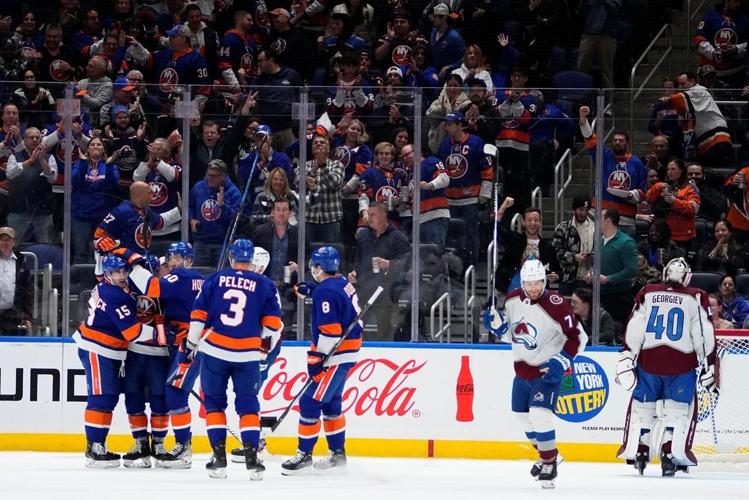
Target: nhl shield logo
(168, 80)
(210, 209)
(457, 166)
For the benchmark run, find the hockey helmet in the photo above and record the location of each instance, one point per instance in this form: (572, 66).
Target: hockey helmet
(260, 259)
(182, 249)
(532, 270)
(152, 263)
(242, 250)
(327, 258)
(677, 272)
(112, 263)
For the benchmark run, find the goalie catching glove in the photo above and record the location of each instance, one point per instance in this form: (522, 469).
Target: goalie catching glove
(626, 376)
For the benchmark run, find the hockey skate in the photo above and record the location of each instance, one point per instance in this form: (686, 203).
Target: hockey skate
(335, 463)
(237, 454)
(139, 456)
(216, 466)
(641, 458)
(547, 475)
(157, 447)
(297, 465)
(254, 464)
(668, 467)
(99, 457)
(536, 469)
(179, 457)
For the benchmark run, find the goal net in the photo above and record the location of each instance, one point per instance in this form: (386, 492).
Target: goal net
(722, 433)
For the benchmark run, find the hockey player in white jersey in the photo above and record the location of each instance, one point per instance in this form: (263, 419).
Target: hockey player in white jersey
(545, 337)
(669, 334)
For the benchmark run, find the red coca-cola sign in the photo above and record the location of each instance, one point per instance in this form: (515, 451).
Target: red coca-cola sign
(375, 386)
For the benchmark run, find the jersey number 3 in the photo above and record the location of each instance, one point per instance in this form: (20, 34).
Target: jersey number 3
(237, 301)
(674, 320)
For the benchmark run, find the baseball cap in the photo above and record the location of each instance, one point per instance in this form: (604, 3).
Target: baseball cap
(454, 117)
(475, 82)
(441, 9)
(705, 69)
(122, 84)
(401, 13)
(580, 201)
(263, 130)
(280, 12)
(394, 70)
(116, 110)
(179, 30)
(8, 231)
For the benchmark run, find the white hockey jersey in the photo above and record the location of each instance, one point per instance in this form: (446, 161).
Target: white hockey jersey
(540, 329)
(670, 329)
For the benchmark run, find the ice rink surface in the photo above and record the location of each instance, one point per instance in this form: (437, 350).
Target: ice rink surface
(31, 475)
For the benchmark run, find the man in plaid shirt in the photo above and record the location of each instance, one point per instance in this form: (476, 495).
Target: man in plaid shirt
(324, 178)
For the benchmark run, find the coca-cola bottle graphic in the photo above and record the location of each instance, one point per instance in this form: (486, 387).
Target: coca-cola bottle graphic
(464, 392)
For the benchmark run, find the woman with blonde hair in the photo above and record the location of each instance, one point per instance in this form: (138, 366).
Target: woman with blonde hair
(474, 66)
(276, 188)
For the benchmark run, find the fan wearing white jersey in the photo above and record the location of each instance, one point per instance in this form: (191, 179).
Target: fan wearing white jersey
(669, 334)
(545, 337)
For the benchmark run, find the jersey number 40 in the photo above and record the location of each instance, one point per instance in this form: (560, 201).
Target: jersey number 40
(674, 323)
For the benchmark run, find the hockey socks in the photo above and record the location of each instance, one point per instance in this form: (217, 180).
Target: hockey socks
(181, 424)
(249, 430)
(159, 426)
(335, 431)
(308, 432)
(215, 423)
(138, 425)
(97, 425)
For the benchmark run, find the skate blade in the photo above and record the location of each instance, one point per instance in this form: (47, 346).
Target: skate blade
(102, 464)
(237, 459)
(340, 470)
(141, 463)
(256, 475)
(217, 473)
(547, 484)
(176, 464)
(299, 472)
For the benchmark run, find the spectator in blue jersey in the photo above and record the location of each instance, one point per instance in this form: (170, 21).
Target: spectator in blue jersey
(666, 121)
(95, 184)
(342, 40)
(382, 183)
(30, 173)
(735, 307)
(422, 73)
(446, 44)
(237, 51)
(276, 188)
(255, 167)
(352, 95)
(277, 89)
(91, 31)
(214, 203)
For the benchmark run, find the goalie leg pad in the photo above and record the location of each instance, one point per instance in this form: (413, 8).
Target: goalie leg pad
(542, 420)
(639, 423)
(676, 416)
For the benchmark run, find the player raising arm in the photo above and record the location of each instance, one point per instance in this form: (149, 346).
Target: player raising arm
(242, 312)
(669, 334)
(545, 337)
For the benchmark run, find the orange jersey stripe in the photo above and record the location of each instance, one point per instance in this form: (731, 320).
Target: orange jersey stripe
(463, 192)
(199, 315)
(331, 329)
(102, 338)
(132, 332)
(309, 430)
(159, 421)
(154, 288)
(138, 420)
(93, 359)
(433, 204)
(273, 322)
(231, 343)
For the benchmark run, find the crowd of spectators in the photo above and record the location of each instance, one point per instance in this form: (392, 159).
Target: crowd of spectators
(478, 65)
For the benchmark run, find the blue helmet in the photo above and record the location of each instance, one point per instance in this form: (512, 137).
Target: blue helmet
(327, 258)
(152, 262)
(182, 249)
(112, 263)
(242, 250)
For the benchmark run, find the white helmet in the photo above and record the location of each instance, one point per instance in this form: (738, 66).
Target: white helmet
(532, 270)
(677, 272)
(260, 259)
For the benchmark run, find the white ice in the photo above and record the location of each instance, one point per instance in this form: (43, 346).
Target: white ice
(30, 475)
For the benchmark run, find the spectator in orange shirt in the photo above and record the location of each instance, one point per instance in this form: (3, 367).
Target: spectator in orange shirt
(677, 201)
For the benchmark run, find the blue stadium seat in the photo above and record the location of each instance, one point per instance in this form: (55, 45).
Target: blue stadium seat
(708, 282)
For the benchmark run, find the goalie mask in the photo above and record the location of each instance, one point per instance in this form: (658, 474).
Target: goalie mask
(677, 272)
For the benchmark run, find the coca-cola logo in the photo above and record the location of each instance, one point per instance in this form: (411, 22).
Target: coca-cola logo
(374, 386)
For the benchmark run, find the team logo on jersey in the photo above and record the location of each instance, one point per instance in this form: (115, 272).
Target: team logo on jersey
(402, 55)
(246, 63)
(525, 333)
(141, 239)
(457, 166)
(60, 71)
(159, 194)
(555, 299)
(145, 309)
(620, 179)
(342, 154)
(261, 15)
(60, 152)
(584, 391)
(725, 36)
(385, 193)
(168, 80)
(210, 210)
(278, 46)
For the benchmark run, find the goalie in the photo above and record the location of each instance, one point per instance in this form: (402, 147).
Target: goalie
(669, 335)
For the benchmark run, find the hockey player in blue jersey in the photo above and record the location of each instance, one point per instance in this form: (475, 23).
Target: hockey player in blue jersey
(335, 306)
(102, 348)
(241, 311)
(176, 294)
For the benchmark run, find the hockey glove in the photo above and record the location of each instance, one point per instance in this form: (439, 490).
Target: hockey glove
(184, 360)
(315, 368)
(555, 368)
(304, 288)
(709, 378)
(106, 244)
(494, 322)
(626, 376)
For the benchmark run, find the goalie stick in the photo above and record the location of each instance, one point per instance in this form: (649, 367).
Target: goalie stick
(345, 335)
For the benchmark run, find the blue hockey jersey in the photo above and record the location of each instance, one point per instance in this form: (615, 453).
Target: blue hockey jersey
(180, 68)
(176, 292)
(237, 306)
(354, 160)
(125, 223)
(237, 52)
(335, 305)
(470, 170)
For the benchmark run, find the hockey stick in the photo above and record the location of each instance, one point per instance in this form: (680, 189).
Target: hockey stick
(705, 366)
(491, 150)
(345, 335)
(146, 237)
(264, 421)
(235, 223)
